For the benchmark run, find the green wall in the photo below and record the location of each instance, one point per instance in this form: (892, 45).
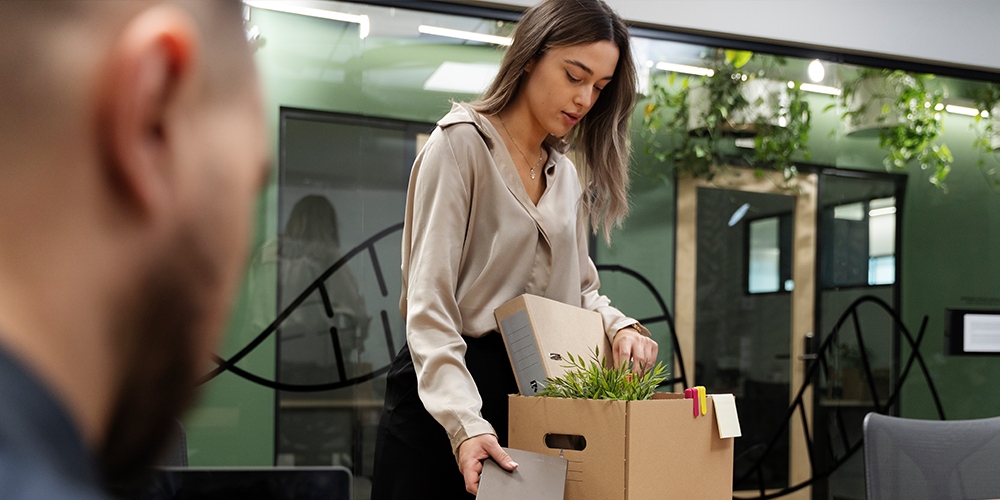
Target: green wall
(950, 247)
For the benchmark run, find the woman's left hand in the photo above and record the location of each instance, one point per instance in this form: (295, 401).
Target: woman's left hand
(629, 344)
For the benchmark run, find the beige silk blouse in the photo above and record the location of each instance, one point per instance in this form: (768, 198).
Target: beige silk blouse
(472, 240)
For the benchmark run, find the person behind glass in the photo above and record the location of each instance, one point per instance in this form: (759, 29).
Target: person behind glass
(494, 210)
(310, 246)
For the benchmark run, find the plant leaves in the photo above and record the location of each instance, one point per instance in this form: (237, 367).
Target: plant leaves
(738, 58)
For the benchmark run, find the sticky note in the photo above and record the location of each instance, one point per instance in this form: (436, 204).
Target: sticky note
(702, 400)
(725, 415)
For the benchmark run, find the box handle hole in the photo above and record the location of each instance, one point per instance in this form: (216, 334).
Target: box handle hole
(566, 442)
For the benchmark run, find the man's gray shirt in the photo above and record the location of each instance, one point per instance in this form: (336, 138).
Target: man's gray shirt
(42, 454)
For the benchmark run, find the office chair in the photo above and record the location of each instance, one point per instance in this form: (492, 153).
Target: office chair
(931, 459)
(175, 454)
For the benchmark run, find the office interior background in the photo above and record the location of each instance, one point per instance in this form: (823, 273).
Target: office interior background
(352, 89)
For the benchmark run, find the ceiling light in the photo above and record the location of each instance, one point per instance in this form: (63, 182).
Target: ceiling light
(465, 78)
(739, 214)
(819, 89)
(364, 25)
(464, 35)
(939, 106)
(816, 71)
(684, 68)
(878, 212)
(961, 110)
(985, 114)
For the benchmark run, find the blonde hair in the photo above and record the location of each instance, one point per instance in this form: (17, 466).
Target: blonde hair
(602, 135)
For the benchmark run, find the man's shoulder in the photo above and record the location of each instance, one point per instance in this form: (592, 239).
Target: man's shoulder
(26, 477)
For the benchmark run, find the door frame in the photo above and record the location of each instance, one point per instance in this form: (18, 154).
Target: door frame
(804, 188)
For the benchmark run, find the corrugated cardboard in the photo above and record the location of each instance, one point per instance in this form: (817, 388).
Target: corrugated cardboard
(539, 332)
(635, 450)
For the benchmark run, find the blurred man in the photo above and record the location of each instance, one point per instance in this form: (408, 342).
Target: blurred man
(132, 147)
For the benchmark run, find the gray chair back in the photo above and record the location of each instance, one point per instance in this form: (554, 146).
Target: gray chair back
(175, 454)
(931, 459)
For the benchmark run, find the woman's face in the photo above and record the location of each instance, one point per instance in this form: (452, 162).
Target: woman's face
(562, 85)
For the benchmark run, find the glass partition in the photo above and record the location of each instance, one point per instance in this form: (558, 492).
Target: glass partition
(350, 88)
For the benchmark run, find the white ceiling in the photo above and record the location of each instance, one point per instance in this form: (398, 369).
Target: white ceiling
(962, 33)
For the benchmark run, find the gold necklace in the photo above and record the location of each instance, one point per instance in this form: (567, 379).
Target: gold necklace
(531, 171)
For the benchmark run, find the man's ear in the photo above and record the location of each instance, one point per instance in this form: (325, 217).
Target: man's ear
(149, 74)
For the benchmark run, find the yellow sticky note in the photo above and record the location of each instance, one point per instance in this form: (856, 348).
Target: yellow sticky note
(702, 400)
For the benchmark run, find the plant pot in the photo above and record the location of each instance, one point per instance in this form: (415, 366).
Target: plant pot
(870, 99)
(768, 99)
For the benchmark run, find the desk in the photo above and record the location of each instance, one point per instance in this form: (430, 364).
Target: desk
(364, 412)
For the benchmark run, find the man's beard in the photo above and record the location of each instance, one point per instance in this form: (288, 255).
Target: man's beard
(157, 343)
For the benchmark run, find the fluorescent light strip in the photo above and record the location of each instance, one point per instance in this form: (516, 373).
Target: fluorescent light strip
(961, 110)
(878, 212)
(464, 35)
(364, 25)
(819, 89)
(684, 68)
(466, 78)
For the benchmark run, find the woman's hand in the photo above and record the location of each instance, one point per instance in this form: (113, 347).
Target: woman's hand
(471, 454)
(629, 344)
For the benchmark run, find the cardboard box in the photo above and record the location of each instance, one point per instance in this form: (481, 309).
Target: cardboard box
(539, 332)
(635, 450)
(617, 450)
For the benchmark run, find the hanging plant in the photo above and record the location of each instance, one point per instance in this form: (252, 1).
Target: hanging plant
(906, 116)
(987, 124)
(702, 120)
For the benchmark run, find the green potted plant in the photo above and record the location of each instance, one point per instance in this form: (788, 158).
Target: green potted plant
(596, 379)
(904, 113)
(702, 120)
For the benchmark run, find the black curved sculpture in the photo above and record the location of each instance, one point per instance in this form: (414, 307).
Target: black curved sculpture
(812, 375)
(665, 317)
(319, 284)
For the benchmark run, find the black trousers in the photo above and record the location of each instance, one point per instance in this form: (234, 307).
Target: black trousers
(413, 457)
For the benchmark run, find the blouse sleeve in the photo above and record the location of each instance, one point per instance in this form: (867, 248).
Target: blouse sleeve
(437, 213)
(590, 285)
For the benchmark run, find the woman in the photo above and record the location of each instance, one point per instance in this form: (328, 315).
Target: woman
(494, 210)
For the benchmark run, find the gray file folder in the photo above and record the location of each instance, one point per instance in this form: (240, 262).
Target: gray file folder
(538, 477)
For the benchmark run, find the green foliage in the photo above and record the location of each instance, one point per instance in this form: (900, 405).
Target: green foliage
(987, 99)
(595, 379)
(912, 138)
(776, 144)
(702, 152)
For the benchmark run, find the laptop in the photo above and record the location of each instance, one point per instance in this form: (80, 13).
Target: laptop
(244, 483)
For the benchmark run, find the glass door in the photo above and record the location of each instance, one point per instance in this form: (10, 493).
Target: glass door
(858, 258)
(745, 295)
